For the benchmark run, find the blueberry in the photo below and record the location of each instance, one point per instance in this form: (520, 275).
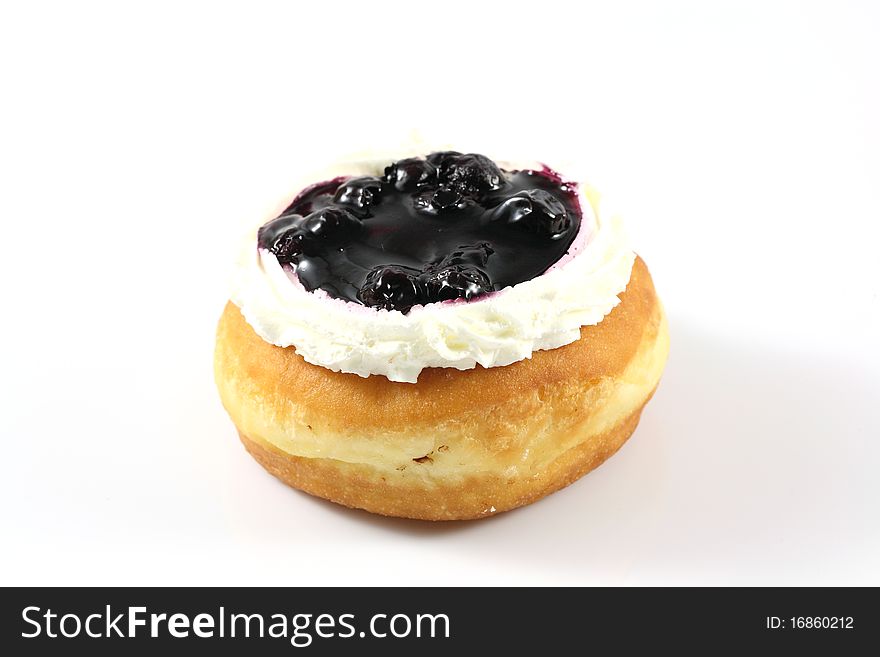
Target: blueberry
(282, 236)
(433, 201)
(440, 158)
(459, 275)
(457, 282)
(359, 193)
(288, 246)
(512, 210)
(330, 224)
(392, 287)
(422, 202)
(445, 198)
(410, 174)
(291, 235)
(471, 174)
(535, 210)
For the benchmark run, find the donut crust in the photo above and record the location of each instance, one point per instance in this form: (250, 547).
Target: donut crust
(458, 444)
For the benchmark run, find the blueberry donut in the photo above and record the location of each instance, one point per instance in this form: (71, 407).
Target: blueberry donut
(441, 337)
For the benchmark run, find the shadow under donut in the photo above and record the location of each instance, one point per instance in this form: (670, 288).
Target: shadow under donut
(748, 462)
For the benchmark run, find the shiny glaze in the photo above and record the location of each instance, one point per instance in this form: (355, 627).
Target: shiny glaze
(449, 226)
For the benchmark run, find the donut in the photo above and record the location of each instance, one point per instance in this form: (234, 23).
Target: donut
(351, 396)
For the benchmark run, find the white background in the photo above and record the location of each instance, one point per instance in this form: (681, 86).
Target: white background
(740, 140)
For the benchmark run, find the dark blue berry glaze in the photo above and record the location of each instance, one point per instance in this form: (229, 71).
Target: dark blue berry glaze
(448, 226)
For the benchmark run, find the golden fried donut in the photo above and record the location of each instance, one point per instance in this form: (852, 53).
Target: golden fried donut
(458, 444)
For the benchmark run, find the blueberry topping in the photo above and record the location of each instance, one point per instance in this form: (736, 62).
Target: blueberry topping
(476, 255)
(448, 226)
(395, 287)
(440, 158)
(359, 193)
(330, 224)
(291, 235)
(410, 174)
(391, 287)
(457, 282)
(439, 199)
(470, 174)
(288, 246)
(537, 211)
(282, 237)
(445, 198)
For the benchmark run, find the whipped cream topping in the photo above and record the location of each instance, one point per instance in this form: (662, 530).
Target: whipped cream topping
(493, 330)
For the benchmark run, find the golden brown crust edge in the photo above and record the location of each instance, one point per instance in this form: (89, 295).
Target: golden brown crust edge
(562, 408)
(361, 487)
